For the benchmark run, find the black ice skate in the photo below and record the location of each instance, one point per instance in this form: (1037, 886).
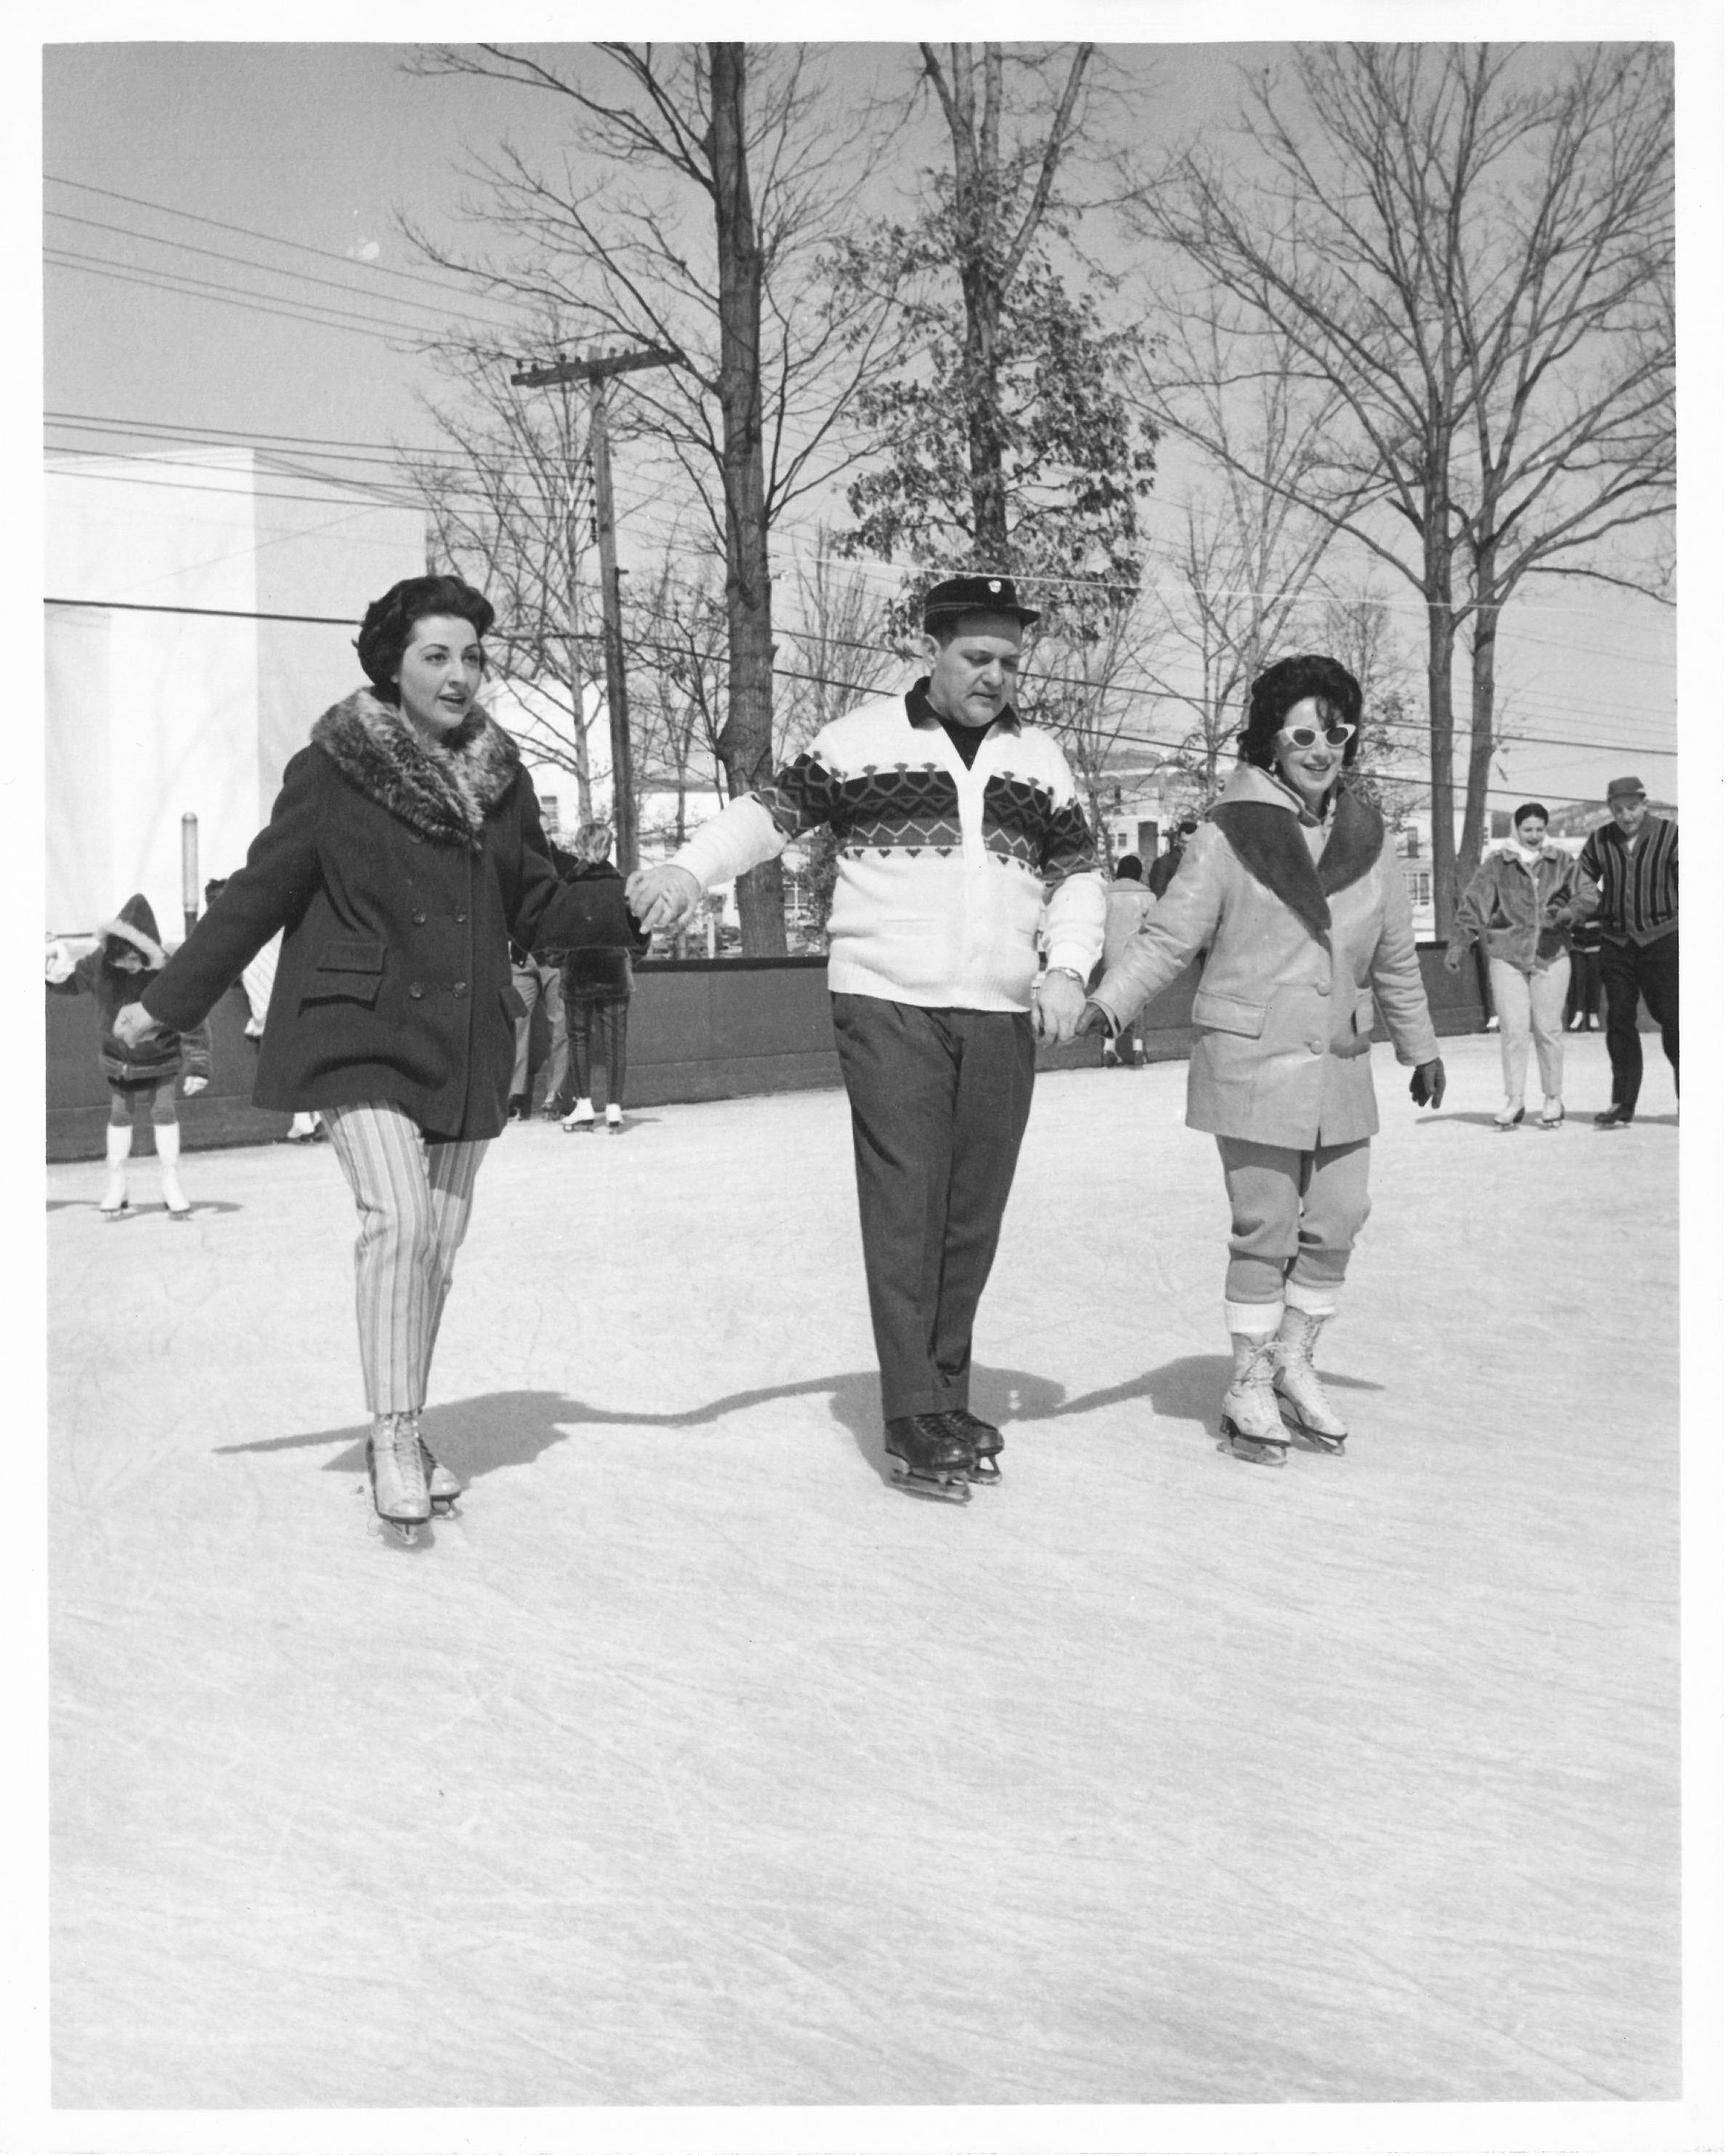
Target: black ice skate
(986, 1440)
(932, 1459)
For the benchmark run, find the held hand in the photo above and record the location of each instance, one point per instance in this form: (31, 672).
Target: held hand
(1093, 1021)
(133, 1025)
(664, 896)
(1427, 1084)
(1058, 999)
(1452, 961)
(191, 1085)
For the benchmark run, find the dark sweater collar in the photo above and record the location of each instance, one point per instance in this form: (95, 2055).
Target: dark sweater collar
(920, 712)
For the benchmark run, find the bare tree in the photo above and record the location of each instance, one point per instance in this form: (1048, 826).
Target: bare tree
(725, 171)
(1231, 589)
(676, 651)
(508, 507)
(1467, 251)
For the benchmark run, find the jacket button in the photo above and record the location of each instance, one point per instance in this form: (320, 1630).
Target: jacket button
(461, 988)
(418, 918)
(1315, 1047)
(460, 917)
(415, 989)
(1322, 988)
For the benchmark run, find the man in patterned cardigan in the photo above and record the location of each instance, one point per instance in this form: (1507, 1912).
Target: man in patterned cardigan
(953, 822)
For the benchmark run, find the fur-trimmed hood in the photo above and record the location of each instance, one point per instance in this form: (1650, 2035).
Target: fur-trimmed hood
(446, 793)
(133, 928)
(1258, 818)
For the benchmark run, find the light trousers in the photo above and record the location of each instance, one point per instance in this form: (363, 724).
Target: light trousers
(1295, 1218)
(414, 1196)
(538, 981)
(1531, 1004)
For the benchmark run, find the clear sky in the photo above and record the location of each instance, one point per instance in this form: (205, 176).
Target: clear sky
(155, 151)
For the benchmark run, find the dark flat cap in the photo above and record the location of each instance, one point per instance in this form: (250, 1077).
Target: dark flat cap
(960, 595)
(1621, 789)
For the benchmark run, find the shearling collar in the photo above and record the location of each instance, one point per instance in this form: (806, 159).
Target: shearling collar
(446, 794)
(1259, 821)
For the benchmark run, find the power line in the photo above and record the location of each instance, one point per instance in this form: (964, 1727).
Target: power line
(436, 281)
(156, 284)
(243, 262)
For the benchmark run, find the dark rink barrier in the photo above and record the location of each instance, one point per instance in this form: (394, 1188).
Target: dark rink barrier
(702, 1029)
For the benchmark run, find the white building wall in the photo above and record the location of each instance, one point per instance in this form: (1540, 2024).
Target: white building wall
(152, 714)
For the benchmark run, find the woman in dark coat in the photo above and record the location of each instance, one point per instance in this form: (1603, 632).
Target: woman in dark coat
(403, 854)
(595, 982)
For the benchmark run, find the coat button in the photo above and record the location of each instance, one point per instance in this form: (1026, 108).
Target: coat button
(1315, 1047)
(1322, 988)
(460, 917)
(416, 990)
(459, 988)
(418, 918)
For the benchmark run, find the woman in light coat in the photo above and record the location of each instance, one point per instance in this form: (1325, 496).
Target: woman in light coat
(1296, 893)
(1527, 896)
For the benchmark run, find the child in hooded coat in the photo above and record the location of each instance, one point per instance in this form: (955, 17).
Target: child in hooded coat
(128, 957)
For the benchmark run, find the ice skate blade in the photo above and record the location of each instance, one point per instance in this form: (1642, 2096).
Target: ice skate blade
(443, 1508)
(986, 1471)
(1316, 1440)
(1259, 1451)
(112, 1213)
(945, 1489)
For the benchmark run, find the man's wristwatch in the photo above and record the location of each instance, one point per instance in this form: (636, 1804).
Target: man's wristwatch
(1070, 971)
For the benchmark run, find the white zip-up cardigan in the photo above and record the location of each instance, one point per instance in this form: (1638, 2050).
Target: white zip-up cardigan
(942, 869)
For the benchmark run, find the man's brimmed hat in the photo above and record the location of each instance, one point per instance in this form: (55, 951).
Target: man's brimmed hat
(960, 595)
(1625, 789)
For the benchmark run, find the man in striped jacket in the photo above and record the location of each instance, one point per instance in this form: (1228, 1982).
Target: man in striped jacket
(1633, 860)
(954, 821)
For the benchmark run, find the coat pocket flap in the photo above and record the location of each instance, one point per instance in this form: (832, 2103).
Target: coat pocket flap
(352, 955)
(1227, 1013)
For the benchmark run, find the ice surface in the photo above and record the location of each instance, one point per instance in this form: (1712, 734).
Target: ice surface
(693, 1765)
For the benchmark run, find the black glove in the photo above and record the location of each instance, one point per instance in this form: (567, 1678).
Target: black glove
(1427, 1083)
(1093, 1020)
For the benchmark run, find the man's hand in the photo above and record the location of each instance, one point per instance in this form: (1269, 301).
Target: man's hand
(663, 896)
(1058, 998)
(190, 1086)
(133, 1025)
(1427, 1083)
(1093, 1020)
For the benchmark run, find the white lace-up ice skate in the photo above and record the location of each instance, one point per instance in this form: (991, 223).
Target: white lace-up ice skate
(1297, 1388)
(399, 1480)
(1249, 1414)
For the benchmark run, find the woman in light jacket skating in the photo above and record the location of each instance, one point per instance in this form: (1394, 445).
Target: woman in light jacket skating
(1293, 889)
(1526, 896)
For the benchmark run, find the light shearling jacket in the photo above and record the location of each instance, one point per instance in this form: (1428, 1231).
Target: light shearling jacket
(1301, 951)
(1524, 916)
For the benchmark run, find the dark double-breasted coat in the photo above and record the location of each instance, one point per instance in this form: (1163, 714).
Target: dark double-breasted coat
(399, 873)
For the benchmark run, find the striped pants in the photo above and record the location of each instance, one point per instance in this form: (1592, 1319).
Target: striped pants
(414, 1195)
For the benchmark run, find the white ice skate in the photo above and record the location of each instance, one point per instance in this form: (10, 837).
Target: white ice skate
(443, 1487)
(114, 1205)
(168, 1160)
(399, 1480)
(1297, 1388)
(1249, 1415)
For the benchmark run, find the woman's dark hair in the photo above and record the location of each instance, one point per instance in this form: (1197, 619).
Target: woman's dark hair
(1129, 869)
(389, 623)
(1274, 692)
(1529, 809)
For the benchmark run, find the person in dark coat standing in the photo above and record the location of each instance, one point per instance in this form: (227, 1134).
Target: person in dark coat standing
(128, 957)
(1633, 860)
(403, 854)
(595, 982)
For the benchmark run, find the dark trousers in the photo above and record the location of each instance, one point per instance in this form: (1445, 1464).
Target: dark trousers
(1633, 971)
(1584, 986)
(596, 1029)
(940, 1100)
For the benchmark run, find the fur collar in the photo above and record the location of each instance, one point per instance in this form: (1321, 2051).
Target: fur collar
(445, 793)
(1262, 830)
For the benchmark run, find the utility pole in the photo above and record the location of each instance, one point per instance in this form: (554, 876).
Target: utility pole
(594, 368)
